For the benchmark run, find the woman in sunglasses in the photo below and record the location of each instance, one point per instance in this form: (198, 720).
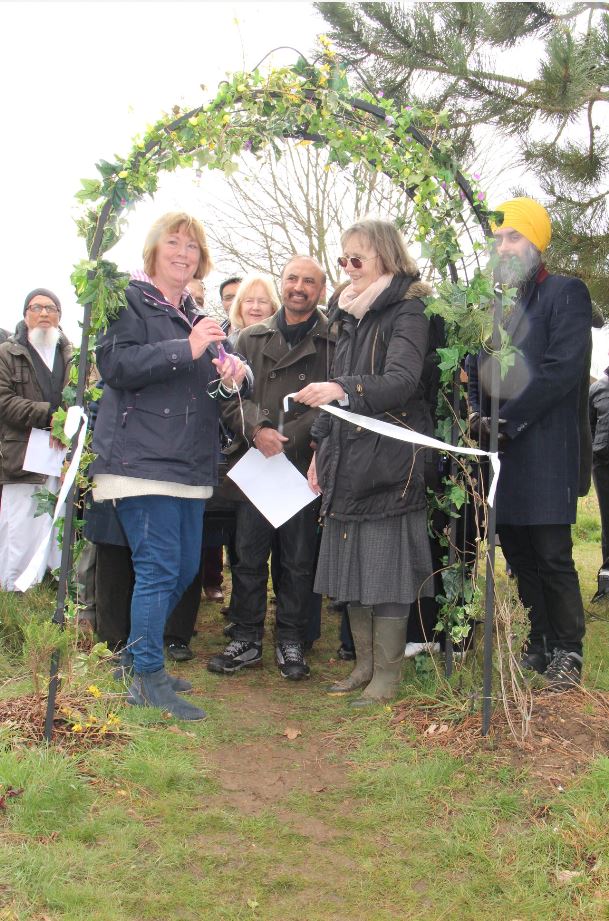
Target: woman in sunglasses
(375, 551)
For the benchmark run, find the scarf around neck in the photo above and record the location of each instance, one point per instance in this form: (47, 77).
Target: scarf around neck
(359, 304)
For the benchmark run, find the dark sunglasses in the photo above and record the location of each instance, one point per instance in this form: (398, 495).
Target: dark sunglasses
(355, 261)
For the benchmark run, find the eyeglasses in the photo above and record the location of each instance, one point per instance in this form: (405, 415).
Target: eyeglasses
(355, 261)
(38, 308)
(262, 301)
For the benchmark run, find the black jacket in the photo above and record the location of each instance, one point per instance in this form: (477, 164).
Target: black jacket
(379, 362)
(599, 419)
(155, 419)
(539, 398)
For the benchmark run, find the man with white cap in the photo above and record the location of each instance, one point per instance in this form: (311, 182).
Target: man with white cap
(539, 436)
(34, 368)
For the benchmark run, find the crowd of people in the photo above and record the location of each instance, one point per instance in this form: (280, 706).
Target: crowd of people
(185, 397)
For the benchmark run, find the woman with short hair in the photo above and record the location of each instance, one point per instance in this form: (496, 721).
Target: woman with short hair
(375, 550)
(255, 301)
(156, 438)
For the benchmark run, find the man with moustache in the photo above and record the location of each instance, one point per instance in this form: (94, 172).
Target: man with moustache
(539, 410)
(285, 352)
(34, 368)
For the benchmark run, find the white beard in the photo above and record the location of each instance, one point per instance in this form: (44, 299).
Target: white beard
(45, 342)
(515, 272)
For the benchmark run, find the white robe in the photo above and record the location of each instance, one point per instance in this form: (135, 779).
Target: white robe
(21, 533)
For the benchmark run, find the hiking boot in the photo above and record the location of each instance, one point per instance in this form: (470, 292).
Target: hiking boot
(152, 689)
(416, 649)
(237, 655)
(179, 651)
(535, 659)
(124, 673)
(564, 671)
(291, 660)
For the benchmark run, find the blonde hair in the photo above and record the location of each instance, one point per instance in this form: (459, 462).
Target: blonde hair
(253, 278)
(171, 223)
(388, 243)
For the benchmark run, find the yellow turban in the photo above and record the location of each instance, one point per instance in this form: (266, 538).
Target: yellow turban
(529, 218)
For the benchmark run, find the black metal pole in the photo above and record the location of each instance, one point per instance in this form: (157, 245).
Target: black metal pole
(489, 602)
(68, 533)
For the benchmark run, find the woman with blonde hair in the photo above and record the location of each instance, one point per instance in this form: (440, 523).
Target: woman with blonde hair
(156, 438)
(374, 552)
(256, 300)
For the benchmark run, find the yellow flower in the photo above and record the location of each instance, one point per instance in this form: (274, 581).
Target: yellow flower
(77, 727)
(94, 691)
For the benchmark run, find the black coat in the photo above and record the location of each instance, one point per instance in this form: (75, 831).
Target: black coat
(155, 419)
(539, 399)
(379, 362)
(599, 419)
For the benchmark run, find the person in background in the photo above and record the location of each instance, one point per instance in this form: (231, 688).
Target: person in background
(34, 369)
(228, 290)
(599, 423)
(374, 552)
(255, 301)
(285, 351)
(156, 438)
(540, 400)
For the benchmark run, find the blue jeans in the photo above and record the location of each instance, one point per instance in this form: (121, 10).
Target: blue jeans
(164, 535)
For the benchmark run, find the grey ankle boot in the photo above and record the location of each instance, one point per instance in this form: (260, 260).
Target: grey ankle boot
(124, 673)
(360, 620)
(152, 689)
(389, 639)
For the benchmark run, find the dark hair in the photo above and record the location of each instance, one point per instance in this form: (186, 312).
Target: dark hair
(233, 280)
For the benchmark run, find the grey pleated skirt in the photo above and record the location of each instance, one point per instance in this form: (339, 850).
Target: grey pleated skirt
(385, 561)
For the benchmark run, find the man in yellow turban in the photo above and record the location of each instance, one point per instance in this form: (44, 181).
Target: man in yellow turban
(539, 409)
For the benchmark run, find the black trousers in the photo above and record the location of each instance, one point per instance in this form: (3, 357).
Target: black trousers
(297, 541)
(600, 473)
(542, 558)
(114, 581)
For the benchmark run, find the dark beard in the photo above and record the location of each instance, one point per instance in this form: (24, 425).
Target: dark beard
(517, 271)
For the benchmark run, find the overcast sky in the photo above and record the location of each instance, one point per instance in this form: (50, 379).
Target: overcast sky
(80, 80)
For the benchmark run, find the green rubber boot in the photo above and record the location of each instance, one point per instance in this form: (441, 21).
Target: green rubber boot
(389, 639)
(360, 620)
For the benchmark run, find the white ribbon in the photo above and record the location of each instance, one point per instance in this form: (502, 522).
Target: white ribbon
(73, 417)
(403, 434)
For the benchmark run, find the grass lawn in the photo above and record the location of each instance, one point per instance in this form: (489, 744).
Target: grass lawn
(286, 804)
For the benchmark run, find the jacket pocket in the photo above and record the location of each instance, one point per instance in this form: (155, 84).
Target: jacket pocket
(165, 437)
(376, 463)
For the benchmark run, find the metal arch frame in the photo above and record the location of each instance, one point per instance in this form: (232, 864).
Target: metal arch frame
(68, 535)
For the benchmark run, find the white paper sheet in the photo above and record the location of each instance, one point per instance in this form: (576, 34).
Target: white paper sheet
(40, 457)
(73, 419)
(273, 485)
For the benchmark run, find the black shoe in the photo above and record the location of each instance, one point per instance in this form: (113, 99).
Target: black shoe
(179, 651)
(535, 659)
(291, 660)
(238, 654)
(347, 655)
(564, 671)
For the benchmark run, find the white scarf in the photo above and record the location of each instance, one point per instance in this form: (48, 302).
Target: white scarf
(359, 304)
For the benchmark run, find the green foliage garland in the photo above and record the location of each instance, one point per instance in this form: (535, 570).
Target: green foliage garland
(313, 104)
